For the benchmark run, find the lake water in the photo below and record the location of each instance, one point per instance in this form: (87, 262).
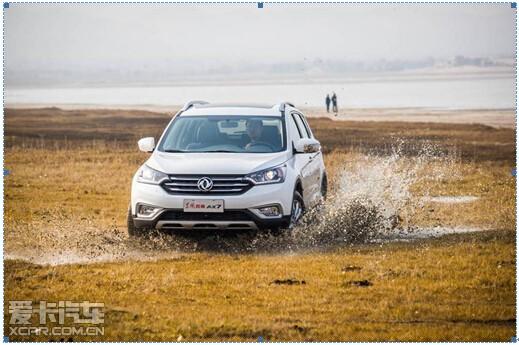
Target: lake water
(494, 92)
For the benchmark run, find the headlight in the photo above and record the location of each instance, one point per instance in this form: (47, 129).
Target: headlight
(149, 175)
(270, 175)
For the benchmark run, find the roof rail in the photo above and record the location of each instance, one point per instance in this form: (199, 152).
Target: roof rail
(283, 105)
(191, 104)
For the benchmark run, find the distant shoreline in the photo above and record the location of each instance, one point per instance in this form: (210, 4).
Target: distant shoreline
(255, 79)
(497, 118)
(483, 92)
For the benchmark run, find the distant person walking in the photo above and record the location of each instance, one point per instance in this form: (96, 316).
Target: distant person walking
(334, 104)
(328, 101)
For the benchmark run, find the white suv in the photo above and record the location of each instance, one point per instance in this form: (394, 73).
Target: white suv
(219, 167)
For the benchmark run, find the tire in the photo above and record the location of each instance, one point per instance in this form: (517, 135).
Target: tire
(324, 187)
(133, 231)
(298, 210)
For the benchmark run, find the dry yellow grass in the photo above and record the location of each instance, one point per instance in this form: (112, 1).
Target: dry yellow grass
(87, 182)
(94, 183)
(459, 287)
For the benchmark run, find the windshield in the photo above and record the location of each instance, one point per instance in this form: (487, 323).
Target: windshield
(255, 134)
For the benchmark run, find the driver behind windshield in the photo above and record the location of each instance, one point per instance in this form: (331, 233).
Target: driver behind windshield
(254, 131)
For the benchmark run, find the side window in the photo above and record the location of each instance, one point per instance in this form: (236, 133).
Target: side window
(297, 126)
(307, 128)
(300, 126)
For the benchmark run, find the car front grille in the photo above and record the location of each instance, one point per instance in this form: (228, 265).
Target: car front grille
(228, 215)
(227, 220)
(222, 184)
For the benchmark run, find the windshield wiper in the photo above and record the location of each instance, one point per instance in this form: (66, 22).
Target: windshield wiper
(225, 151)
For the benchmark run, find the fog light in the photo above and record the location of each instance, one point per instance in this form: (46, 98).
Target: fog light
(270, 211)
(146, 211)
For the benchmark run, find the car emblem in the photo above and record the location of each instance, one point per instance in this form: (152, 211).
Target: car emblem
(205, 184)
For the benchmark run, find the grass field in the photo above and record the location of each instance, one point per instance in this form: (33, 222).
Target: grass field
(68, 189)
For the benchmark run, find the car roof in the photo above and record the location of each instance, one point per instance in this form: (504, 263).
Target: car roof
(232, 109)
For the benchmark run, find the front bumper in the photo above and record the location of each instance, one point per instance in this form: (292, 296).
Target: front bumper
(177, 219)
(240, 211)
(259, 196)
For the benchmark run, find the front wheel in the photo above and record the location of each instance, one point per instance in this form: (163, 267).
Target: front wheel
(298, 209)
(133, 231)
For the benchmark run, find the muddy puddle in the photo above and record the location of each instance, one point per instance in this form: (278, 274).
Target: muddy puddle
(453, 199)
(166, 246)
(372, 203)
(406, 235)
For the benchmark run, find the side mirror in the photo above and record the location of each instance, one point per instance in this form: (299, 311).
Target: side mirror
(307, 146)
(147, 144)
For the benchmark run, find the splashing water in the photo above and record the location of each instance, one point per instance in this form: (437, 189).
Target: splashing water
(374, 197)
(373, 200)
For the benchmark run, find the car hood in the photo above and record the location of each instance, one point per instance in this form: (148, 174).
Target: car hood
(215, 163)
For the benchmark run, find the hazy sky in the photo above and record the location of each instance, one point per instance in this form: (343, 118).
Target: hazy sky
(54, 34)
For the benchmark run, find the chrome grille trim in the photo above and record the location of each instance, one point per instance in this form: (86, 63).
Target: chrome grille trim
(222, 184)
(232, 190)
(175, 184)
(213, 177)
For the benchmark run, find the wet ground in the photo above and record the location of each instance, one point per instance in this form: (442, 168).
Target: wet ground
(116, 246)
(373, 204)
(452, 199)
